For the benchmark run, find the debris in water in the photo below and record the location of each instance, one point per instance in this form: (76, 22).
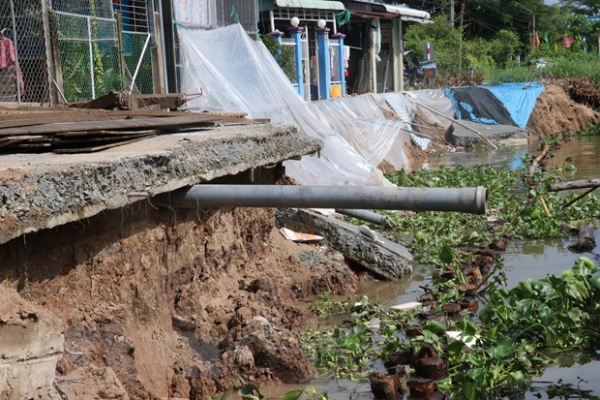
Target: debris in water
(299, 237)
(407, 306)
(469, 341)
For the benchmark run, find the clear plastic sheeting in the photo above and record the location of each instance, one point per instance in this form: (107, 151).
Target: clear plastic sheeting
(362, 123)
(397, 103)
(436, 99)
(237, 74)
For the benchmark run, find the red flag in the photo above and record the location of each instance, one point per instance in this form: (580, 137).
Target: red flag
(536, 39)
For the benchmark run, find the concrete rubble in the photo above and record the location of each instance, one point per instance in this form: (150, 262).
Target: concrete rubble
(381, 257)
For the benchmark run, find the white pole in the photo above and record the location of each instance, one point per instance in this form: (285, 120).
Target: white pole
(139, 64)
(89, 24)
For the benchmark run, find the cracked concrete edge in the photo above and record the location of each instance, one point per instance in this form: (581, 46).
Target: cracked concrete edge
(385, 259)
(37, 194)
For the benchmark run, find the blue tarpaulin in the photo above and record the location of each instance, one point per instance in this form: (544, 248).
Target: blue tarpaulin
(477, 104)
(518, 98)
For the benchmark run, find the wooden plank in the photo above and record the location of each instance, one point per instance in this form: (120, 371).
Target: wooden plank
(107, 133)
(188, 121)
(97, 148)
(91, 140)
(141, 113)
(109, 101)
(169, 101)
(53, 119)
(242, 121)
(14, 120)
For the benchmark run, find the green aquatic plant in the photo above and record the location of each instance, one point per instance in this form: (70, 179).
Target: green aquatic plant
(590, 130)
(520, 202)
(496, 351)
(555, 312)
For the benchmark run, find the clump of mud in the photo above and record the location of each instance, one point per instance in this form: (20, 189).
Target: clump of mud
(158, 303)
(556, 112)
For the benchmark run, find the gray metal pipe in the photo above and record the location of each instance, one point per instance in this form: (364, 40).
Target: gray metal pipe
(365, 215)
(467, 200)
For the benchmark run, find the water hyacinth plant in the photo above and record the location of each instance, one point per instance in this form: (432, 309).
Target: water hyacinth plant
(492, 353)
(519, 207)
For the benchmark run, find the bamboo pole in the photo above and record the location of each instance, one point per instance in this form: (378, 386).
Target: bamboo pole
(579, 184)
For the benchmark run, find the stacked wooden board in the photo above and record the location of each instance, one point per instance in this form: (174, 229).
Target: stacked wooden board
(59, 130)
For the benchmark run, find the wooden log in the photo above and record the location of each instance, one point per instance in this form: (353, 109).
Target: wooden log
(586, 241)
(414, 331)
(451, 308)
(397, 359)
(384, 386)
(579, 184)
(421, 388)
(431, 368)
(536, 161)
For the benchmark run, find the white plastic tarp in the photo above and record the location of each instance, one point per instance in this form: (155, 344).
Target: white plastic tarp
(436, 99)
(237, 74)
(362, 123)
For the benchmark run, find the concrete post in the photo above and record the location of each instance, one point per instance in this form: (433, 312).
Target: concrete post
(323, 58)
(296, 33)
(278, 35)
(342, 67)
(398, 66)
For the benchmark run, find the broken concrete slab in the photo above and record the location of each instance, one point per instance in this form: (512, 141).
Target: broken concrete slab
(384, 258)
(31, 343)
(464, 137)
(46, 190)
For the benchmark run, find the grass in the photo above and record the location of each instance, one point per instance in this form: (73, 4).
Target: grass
(588, 68)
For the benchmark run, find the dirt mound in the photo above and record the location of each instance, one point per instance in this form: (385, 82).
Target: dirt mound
(165, 298)
(582, 90)
(556, 112)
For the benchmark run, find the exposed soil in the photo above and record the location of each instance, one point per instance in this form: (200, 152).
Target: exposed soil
(556, 112)
(157, 303)
(165, 304)
(582, 90)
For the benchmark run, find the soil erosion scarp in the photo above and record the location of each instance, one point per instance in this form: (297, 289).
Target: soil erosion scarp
(158, 303)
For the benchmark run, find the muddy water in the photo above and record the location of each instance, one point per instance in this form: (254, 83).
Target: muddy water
(522, 260)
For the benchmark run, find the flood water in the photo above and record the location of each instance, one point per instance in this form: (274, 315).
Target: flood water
(522, 260)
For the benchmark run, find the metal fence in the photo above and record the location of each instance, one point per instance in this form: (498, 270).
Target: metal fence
(138, 62)
(24, 67)
(73, 50)
(244, 12)
(88, 49)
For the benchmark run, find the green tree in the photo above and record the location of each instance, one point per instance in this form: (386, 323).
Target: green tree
(443, 35)
(586, 7)
(504, 47)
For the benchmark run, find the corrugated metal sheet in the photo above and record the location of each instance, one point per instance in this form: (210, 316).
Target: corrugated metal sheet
(407, 12)
(311, 4)
(396, 103)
